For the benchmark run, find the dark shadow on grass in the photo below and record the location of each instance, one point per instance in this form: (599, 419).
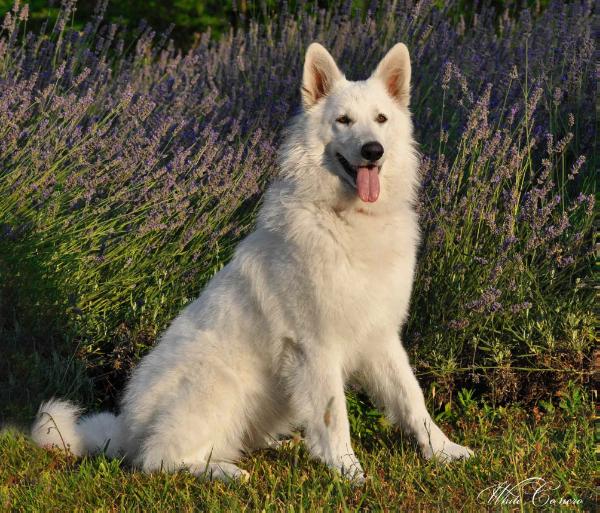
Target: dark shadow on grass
(38, 353)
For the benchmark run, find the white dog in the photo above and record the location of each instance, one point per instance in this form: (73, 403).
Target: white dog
(315, 296)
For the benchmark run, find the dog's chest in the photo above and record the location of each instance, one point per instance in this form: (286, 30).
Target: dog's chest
(363, 272)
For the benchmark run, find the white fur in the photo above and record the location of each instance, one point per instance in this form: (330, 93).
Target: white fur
(315, 296)
(56, 426)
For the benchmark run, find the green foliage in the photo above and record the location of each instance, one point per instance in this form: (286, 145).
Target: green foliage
(186, 19)
(189, 18)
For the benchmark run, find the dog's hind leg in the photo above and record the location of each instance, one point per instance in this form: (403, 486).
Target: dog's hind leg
(198, 423)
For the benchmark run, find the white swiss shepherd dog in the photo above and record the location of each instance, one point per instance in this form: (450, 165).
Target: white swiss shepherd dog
(313, 298)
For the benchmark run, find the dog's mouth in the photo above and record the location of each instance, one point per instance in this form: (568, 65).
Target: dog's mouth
(365, 178)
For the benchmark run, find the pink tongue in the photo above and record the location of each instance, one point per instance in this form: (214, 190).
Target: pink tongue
(367, 183)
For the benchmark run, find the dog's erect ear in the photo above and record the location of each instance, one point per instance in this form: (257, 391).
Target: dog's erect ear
(394, 71)
(320, 73)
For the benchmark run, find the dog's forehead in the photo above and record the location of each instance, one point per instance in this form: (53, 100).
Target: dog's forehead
(360, 96)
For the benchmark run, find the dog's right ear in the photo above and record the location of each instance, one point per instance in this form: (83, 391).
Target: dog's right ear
(320, 73)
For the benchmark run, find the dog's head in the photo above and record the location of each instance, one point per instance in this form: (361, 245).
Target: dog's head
(357, 132)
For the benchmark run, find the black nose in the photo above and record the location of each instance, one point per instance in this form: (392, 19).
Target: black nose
(372, 151)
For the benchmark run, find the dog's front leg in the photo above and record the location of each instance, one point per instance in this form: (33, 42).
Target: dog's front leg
(389, 378)
(318, 400)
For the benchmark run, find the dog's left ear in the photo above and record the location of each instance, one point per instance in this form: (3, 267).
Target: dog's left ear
(394, 71)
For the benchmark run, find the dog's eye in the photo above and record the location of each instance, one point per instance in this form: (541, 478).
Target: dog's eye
(381, 118)
(344, 120)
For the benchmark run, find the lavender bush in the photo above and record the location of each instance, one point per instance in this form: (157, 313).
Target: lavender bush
(128, 171)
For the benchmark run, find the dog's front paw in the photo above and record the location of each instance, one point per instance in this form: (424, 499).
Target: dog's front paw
(350, 468)
(446, 451)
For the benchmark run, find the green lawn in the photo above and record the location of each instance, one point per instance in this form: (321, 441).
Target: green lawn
(511, 443)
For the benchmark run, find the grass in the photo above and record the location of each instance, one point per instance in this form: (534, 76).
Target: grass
(552, 439)
(512, 444)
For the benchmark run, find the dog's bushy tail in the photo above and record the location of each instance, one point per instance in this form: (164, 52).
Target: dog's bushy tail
(59, 424)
